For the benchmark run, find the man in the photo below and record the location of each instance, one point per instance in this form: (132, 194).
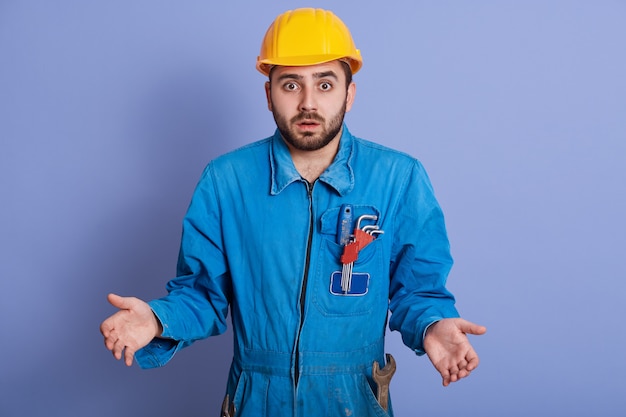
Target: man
(269, 234)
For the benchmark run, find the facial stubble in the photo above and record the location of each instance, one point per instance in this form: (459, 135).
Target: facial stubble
(309, 141)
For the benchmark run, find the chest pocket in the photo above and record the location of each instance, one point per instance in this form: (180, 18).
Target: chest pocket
(370, 286)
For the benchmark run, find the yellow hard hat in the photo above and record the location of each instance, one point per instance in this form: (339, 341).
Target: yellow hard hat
(307, 37)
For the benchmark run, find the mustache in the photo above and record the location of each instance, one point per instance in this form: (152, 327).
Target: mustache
(307, 116)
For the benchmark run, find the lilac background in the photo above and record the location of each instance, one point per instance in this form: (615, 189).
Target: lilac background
(110, 110)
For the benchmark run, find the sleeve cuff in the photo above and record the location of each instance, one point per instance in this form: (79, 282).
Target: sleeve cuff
(161, 349)
(157, 353)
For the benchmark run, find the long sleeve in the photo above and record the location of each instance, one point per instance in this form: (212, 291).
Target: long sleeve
(421, 262)
(198, 298)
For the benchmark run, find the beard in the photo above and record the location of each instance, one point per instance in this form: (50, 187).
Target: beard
(309, 141)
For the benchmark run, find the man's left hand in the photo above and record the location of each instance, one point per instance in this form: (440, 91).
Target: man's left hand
(449, 349)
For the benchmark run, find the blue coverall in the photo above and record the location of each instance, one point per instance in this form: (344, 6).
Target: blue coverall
(259, 238)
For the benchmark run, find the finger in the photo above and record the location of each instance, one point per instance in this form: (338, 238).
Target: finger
(454, 373)
(445, 375)
(454, 370)
(124, 303)
(472, 360)
(106, 329)
(464, 373)
(118, 348)
(471, 328)
(129, 354)
(109, 333)
(109, 342)
(108, 325)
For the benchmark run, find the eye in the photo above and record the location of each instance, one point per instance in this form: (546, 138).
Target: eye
(290, 86)
(325, 86)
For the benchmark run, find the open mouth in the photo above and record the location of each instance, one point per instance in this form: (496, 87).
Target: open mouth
(308, 124)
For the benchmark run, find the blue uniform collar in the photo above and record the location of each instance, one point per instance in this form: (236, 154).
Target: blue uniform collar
(338, 175)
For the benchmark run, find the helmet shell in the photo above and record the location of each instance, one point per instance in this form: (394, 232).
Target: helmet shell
(307, 36)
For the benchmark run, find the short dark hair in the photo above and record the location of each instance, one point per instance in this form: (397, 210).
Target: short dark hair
(348, 72)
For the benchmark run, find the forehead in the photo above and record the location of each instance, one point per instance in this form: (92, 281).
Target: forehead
(310, 71)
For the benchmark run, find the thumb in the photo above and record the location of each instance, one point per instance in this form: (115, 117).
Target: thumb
(471, 328)
(124, 303)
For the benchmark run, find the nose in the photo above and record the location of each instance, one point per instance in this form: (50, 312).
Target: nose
(307, 100)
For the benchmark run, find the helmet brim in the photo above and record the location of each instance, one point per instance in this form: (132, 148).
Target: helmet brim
(265, 65)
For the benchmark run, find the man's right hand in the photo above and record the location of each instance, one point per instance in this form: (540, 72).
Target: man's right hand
(131, 328)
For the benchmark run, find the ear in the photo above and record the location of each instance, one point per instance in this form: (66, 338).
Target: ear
(350, 96)
(268, 95)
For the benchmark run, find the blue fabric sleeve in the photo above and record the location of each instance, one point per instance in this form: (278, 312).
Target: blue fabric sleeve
(198, 298)
(421, 262)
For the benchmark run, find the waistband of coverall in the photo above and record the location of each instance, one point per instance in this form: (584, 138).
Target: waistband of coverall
(312, 363)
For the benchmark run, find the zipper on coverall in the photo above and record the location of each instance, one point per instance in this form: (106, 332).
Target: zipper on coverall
(305, 278)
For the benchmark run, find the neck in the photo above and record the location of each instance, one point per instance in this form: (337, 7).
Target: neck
(311, 164)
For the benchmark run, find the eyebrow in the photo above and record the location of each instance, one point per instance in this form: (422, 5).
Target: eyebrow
(317, 75)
